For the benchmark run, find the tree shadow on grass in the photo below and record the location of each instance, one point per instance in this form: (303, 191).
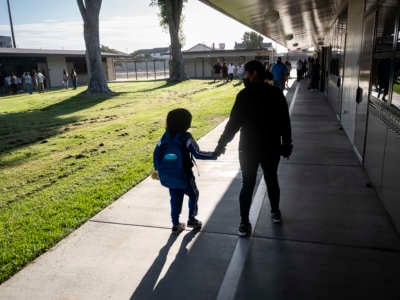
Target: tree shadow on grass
(165, 85)
(27, 127)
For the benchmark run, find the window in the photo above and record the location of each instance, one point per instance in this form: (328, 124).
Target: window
(396, 82)
(338, 39)
(385, 65)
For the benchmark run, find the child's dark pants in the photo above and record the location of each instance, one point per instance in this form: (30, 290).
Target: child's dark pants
(177, 200)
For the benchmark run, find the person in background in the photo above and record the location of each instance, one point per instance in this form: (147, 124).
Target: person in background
(315, 75)
(35, 82)
(74, 77)
(40, 78)
(2, 84)
(65, 79)
(279, 71)
(235, 71)
(304, 70)
(224, 72)
(28, 82)
(240, 72)
(20, 86)
(299, 69)
(7, 84)
(14, 83)
(217, 70)
(231, 68)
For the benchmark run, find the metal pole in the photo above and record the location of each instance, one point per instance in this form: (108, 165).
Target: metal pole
(11, 24)
(147, 71)
(165, 71)
(127, 71)
(155, 73)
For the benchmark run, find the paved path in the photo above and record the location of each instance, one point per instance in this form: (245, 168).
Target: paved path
(336, 241)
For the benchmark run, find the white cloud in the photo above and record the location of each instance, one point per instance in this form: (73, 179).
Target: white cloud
(128, 33)
(123, 33)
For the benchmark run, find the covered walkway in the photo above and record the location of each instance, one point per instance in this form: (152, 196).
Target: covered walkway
(336, 240)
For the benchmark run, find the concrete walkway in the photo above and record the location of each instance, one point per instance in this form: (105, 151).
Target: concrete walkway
(336, 241)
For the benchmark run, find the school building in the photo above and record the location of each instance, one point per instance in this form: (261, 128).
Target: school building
(52, 63)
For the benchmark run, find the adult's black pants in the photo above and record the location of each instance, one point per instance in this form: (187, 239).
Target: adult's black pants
(249, 163)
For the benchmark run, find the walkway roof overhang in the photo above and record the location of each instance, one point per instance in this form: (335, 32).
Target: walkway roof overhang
(295, 24)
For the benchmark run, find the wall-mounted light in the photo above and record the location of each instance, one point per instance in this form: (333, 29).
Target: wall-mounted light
(289, 37)
(271, 15)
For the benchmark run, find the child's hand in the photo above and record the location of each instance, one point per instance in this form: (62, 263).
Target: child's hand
(215, 155)
(154, 175)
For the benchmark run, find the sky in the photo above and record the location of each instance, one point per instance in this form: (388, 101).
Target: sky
(125, 25)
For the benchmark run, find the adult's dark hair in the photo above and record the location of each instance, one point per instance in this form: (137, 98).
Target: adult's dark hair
(178, 120)
(255, 66)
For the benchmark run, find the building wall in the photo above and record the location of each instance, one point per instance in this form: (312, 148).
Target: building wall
(109, 69)
(56, 65)
(352, 70)
(381, 158)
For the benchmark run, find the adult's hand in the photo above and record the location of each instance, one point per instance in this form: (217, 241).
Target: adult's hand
(286, 150)
(219, 150)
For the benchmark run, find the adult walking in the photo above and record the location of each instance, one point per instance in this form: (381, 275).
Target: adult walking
(65, 79)
(299, 69)
(217, 70)
(41, 78)
(280, 72)
(28, 82)
(261, 114)
(74, 77)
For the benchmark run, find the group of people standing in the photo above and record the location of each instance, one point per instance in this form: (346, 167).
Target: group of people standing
(310, 69)
(227, 72)
(73, 76)
(13, 83)
(276, 74)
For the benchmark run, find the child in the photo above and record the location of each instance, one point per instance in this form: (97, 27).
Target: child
(173, 165)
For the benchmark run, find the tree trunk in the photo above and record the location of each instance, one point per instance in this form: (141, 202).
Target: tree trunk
(173, 11)
(90, 15)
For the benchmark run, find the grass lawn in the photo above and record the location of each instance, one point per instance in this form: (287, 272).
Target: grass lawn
(65, 156)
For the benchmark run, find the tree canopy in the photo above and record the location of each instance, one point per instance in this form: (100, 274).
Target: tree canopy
(252, 40)
(170, 12)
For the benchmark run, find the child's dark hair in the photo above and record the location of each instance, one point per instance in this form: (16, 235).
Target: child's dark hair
(256, 66)
(178, 120)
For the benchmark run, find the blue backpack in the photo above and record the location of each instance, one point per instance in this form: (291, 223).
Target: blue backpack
(168, 161)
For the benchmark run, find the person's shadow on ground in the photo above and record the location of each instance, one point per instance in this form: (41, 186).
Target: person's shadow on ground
(148, 287)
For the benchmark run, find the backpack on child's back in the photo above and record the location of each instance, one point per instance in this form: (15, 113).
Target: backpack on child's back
(168, 159)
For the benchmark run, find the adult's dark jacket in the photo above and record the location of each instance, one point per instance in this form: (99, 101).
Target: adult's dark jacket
(261, 113)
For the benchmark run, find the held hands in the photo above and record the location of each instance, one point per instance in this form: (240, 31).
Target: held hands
(219, 150)
(286, 150)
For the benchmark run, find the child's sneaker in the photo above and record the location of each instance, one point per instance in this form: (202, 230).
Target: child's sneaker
(178, 228)
(194, 223)
(276, 217)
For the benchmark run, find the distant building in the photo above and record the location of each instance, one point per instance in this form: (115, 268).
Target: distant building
(160, 53)
(199, 64)
(52, 63)
(242, 46)
(5, 41)
(199, 47)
